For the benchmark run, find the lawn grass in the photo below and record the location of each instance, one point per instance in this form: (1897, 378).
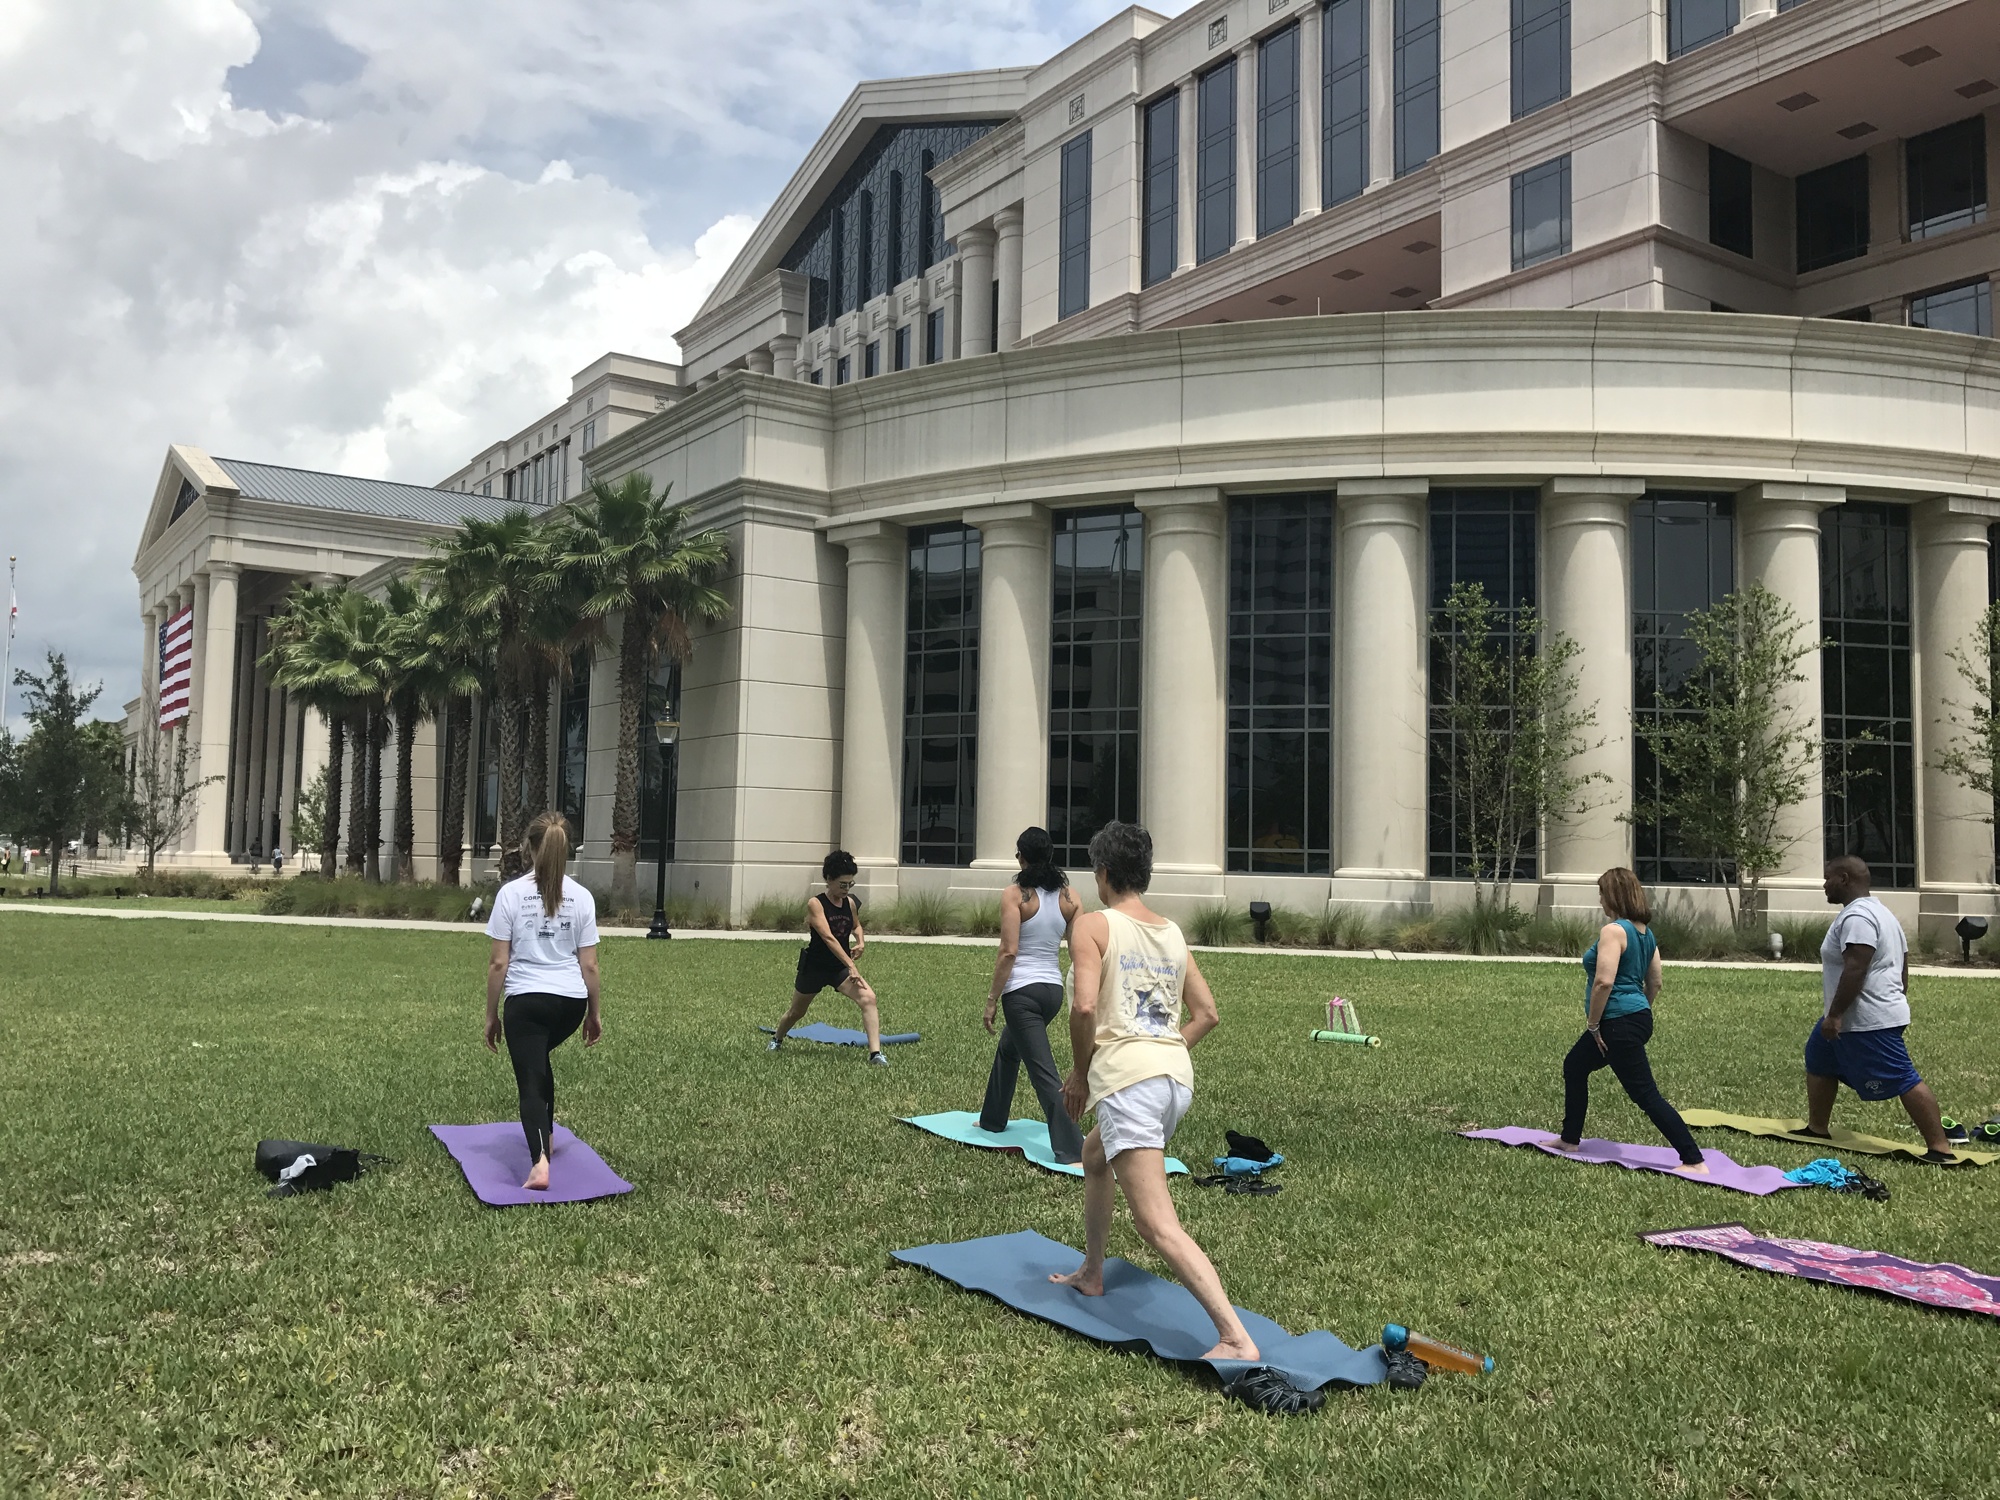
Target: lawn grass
(735, 1325)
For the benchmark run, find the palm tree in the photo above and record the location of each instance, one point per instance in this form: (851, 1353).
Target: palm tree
(456, 647)
(418, 681)
(634, 555)
(311, 656)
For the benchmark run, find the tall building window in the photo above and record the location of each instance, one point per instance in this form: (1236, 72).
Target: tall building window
(843, 369)
(930, 248)
(1215, 163)
(1833, 213)
(871, 360)
(1417, 66)
(1730, 216)
(837, 267)
(1160, 242)
(1957, 309)
(1946, 170)
(1864, 601)
(1540, 54)
(659, 767)
(934, 337)
(941, 697)
(1343, 159)
(864, 248)
(902, 359)
(1541, 213)
(1073, 232)
(1682, 561)
(1696, 23)
(573, 741)
(1094, 677)
(589, 434)
(1280, 816)
(895, 231)
(1485, 537)
(1278, 130)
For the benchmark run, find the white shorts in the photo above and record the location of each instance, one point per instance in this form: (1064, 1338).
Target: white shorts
(1142, 1115)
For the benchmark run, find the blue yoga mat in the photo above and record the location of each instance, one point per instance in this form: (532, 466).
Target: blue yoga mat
(1029, 1138)
(840, 1036)
(1137, 1311)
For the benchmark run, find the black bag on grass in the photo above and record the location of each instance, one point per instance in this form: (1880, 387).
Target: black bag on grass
(299, 1166)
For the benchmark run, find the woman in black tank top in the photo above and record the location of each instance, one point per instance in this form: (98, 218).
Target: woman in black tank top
(832, 954)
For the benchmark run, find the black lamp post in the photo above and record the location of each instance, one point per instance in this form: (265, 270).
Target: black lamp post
(668, 732)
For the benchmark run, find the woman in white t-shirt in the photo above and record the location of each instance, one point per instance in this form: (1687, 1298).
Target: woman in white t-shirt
(544, 931)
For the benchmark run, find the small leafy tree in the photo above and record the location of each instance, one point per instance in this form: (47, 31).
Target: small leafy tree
(65, 777)
(1732, 756)
(1506, 692)
(309, 811)
(1973, 755)
(162, 798)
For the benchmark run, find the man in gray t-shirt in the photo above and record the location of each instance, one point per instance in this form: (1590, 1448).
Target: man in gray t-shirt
(1858, 1039)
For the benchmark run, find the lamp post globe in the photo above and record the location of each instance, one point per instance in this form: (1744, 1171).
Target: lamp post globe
(668, 732)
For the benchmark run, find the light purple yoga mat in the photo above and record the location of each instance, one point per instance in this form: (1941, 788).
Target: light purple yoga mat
(495, 1161)
(1722, 1170)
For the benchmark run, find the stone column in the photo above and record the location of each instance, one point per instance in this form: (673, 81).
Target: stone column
(1381, 92)
(149, 660)
(1587, 574)
(290, 756)
(1311, 97)
(251, 724)
(975, 290)
(1016, 602)
(215, 650)
(1777, 528)
(1188, 148)
(1381, 691)
(871, 739)
(1184, 688)
(1007, 268)
(1951, 597)
(1246, 144)
(1756, 12)
(760, 361)
(785, 357)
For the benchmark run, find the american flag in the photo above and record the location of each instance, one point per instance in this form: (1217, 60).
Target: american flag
(176, 667)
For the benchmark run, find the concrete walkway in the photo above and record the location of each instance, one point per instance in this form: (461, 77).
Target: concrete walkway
(469, 929)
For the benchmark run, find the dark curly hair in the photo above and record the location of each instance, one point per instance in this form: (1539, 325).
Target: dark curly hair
(837, 864)
(1039, 871)
(1124, 852)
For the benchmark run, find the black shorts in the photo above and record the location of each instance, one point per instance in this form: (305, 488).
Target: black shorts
(819, 971)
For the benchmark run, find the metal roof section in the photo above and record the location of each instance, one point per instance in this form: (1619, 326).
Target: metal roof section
(368, 497)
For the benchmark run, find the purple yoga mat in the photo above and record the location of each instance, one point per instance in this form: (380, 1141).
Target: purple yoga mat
(1948, 1286)
(495, 1161)
(1722, 1171)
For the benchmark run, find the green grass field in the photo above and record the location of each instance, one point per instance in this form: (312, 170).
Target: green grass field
(735, 1326)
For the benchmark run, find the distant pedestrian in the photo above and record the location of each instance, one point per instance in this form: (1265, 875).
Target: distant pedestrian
(277, 859)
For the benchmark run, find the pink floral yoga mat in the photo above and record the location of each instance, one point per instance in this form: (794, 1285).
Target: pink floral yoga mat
(1945, 1286)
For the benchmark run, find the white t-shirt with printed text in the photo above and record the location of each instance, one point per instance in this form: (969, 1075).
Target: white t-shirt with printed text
(1882, 1004)
(542, 960)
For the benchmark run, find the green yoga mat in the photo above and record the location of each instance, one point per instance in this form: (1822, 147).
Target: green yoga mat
(1026, 1138)
(1843, 1140)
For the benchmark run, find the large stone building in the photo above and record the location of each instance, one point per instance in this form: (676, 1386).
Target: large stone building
(1099, 438)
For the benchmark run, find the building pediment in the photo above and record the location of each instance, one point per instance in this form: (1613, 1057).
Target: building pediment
(187, 476)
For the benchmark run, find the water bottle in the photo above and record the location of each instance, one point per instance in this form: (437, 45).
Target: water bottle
(1439, 1356)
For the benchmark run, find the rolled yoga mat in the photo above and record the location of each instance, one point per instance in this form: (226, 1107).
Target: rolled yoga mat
(1948, 1286)
(494, 1159)
(1355, 1037)
(840, 1036)
(1029, 1138)
(1838, 1139)
(1137, 1311)
(1722, 1171)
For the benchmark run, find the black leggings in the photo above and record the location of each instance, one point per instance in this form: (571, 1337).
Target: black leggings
(1624, 1053)
(536, 1025)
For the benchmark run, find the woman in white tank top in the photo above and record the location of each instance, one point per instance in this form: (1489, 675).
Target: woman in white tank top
(1035, 913)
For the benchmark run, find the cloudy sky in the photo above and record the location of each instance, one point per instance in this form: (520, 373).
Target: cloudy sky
(373, 235)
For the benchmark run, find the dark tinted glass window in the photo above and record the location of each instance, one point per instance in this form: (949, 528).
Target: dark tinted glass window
(1160, 248)
(871, 360)
(930, 218)
(659, 767)
(1485, 537)
(1729, 206)
(1073, 261)
(941, 697)
(1281, 684)
(1417, 58)
(843, 369)
(1958, 309)
(1344, 102)
(1864, 600)
(1215, 163)
(864, 247)
(903, 347)
(1094, 677)
(1278, 131)
(1541, 54)
(1541, 213)
(1682, 561)
(1947, 178)
(1833, 213)
(1696, 23)
(934, 338)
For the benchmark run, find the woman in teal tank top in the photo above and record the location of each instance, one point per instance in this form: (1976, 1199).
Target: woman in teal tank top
(1621, 981)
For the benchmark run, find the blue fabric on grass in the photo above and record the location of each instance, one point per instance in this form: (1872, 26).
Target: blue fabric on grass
(1825, 1171)
(840, 1036)
(1028, 1137)
(1242, 1166)
(1137, 1311)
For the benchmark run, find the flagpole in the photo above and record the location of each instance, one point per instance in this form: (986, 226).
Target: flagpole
(7, 671)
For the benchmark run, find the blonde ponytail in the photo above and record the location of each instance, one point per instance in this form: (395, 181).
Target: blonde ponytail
(548, 851)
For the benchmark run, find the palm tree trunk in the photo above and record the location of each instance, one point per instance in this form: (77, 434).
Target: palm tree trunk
(506, 705)
(406, 818)
(537, 790)
(329, 833)
(378, 744)
(633, 675)
(458, 760)
(357, 794)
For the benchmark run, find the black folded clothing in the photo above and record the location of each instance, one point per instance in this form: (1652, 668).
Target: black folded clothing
(300, 1166)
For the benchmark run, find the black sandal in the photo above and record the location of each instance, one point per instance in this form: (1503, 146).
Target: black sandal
(1264, 1389)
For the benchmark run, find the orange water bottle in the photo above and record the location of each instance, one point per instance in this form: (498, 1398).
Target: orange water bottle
(1439, 1356)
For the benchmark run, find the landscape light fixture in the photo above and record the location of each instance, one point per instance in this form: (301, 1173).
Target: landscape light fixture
(1777, 945)
(1260, 917)
(667, 731)
(1970, 930)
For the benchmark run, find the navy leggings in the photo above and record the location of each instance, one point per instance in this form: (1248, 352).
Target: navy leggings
(1624, 1053)
(536, 1025)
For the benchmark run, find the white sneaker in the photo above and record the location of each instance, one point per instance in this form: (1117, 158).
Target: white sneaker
(876, 1059)
(776, 1043)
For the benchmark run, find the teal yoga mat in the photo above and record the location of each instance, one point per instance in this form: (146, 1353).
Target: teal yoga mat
(1029, 1138)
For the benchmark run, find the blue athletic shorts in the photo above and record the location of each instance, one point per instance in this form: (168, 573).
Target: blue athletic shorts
(1875, 1064)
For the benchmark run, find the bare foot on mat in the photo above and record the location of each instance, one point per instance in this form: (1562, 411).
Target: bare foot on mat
(538, 1176)
(1083, 1281)
(1562, 1145)
(1239, 1349)
(1693, 1169)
